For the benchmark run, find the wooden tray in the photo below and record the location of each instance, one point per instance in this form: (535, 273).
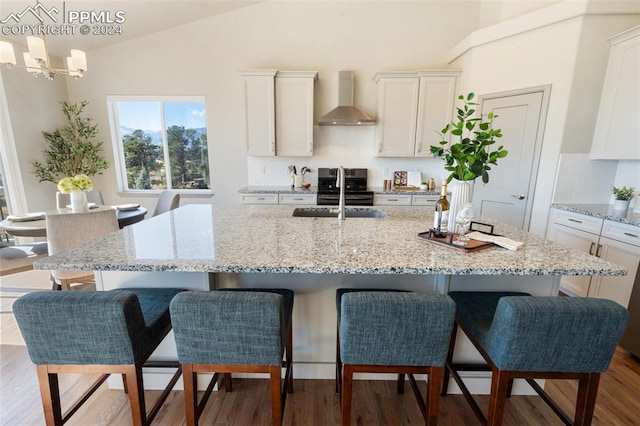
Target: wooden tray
(448, 238)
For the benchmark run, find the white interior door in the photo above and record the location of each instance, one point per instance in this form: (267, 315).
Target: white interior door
(508, 197)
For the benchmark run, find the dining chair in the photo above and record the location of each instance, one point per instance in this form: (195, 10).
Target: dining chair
(168, 200)
(66, 230)
(93, 196)
(20, 258)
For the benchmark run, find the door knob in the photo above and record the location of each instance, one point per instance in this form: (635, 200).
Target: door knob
(518, 196)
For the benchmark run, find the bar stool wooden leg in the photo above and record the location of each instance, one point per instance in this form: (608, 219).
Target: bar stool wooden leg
(189, 378)
(338, 362)
(452, 346)
(289, 358)
(347, 388)
(400, 384)
(586, 401)
(136, 394)
(50, 392)
(499, 387)
(433, 397)
(276, 394)
(228, 382)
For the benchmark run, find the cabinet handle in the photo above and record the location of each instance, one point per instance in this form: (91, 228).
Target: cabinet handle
(630, 235)
(598, 250)
(591, 247)
(392, 199)
(380, 146)
(575, 220)
(273, 147)
(260, 198)
(298, 199)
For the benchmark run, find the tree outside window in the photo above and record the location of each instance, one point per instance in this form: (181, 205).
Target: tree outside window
(163, 144)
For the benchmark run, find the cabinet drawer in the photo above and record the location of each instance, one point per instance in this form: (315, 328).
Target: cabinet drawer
(622, 232)
(579, 221)
(297, 198)
(259, 198)
(392, 200)
(425, 200)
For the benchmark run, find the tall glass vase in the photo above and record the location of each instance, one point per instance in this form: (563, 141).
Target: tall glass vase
(78, 201)
(461, 195)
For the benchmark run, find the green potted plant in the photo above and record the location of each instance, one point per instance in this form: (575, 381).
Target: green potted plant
(469, 154)
(71, 149)
(622, 197)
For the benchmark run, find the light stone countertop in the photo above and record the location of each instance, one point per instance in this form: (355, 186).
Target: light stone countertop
(603, 211)
(205, 238)
(265, 189)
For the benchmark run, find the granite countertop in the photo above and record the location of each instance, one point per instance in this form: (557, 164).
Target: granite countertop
(260, 189)
(266, 189)
(603, 211)
(205, 238)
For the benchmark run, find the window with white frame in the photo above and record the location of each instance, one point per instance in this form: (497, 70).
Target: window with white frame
(160, 142)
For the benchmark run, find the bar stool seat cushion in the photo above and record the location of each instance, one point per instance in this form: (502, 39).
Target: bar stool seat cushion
(93, 327)
(393, 328)
(550, 334)
(237, 326)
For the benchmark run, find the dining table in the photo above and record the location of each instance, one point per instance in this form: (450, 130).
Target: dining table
(25, 227)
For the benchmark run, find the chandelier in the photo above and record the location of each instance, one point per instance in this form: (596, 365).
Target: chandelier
(36, 60)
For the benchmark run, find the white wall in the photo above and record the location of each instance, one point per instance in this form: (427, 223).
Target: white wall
(203, 58)
(552, 54)
(33, 108)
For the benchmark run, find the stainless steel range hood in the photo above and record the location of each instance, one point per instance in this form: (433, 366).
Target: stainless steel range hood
(345, 114)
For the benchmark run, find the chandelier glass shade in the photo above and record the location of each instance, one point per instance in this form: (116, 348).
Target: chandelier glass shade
(36, 60)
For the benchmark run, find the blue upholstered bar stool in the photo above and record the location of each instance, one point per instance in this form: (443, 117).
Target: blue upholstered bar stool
(235, 331)
(95, 332)
(521, 336)
(395, 332)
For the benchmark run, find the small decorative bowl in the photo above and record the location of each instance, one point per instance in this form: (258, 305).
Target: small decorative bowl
(306, 185)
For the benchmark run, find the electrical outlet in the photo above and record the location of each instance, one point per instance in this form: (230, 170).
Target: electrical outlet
(261, 170)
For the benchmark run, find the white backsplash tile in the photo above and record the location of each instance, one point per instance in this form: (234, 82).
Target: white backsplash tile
(582, 180)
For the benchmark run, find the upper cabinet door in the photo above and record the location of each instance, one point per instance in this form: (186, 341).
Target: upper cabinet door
(618, 124)
(279, 112)
(412, 108)
(294, 113)
(259, 111)
(435, 109)
(397, 115)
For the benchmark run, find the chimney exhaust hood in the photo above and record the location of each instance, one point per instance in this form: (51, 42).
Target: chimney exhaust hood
(345, 114)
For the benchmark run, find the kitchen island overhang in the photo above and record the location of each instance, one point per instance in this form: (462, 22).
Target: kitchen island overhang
(207, 247)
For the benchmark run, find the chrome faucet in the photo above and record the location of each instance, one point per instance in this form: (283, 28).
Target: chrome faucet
(340, 184)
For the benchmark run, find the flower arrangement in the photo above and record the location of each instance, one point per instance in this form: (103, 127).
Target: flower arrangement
(75, 183)
(624, 193)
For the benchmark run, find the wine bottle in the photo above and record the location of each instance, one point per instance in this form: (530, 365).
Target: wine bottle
(441, 218)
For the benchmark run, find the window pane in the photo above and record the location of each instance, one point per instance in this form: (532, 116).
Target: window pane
(141, 130)
(187, 144)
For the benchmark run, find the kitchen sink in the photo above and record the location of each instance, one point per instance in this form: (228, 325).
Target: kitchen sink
(327, 212)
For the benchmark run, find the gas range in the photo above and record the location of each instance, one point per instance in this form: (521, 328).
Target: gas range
(355, 190)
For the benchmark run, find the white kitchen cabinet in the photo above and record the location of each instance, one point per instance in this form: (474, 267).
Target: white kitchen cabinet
(391, 200)
(618, 123)
(615, 242)
(278, 109)
(412, 107)
(297, 199)
(424, 200)
(255, 198)
(619, 244)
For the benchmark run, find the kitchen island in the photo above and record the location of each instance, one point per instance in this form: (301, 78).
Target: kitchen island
(206, 247)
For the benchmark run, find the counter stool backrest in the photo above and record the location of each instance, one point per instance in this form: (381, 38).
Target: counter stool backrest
(167, 200)
(394, 328)
(567, 334)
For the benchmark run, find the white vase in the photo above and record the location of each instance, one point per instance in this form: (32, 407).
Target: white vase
(461, 191)
(621, 205)
(78, 201)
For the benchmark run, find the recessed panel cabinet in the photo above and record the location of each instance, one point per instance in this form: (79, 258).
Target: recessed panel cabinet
(618, 123)
(615, 242)
(412, 107)
(278, 108)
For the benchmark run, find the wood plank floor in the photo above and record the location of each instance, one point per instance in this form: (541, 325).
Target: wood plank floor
(312, 403)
